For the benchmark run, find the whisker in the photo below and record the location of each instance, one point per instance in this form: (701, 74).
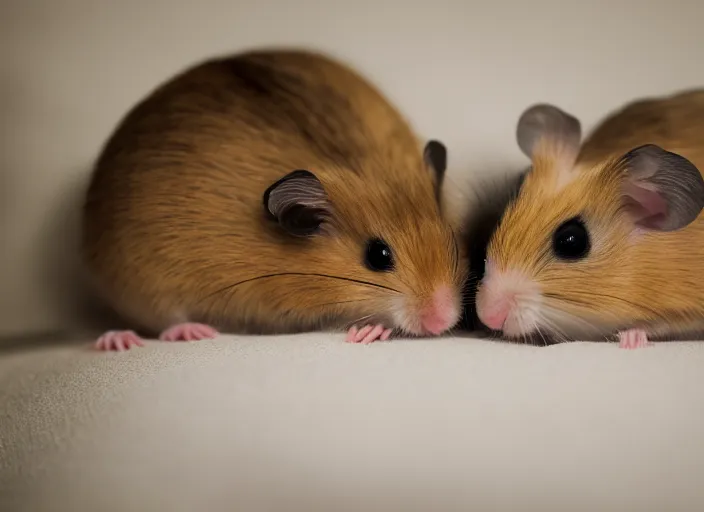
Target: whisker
(547, 317)
(588, 294)
(555, 331)
(494, 336)
(558, 333)
(457, 254)
(605, 312)
(360, 319)
(325, 304)
(540, 333)
(280, 274)
(550, 311)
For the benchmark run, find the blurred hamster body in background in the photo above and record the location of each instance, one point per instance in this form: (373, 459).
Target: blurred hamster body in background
(274, 191)
(607, 240)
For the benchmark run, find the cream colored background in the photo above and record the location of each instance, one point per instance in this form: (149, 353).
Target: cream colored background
(462, 71)
(308, 422)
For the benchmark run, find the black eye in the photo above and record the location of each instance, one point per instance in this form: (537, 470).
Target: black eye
(571, 240)
(378, 256)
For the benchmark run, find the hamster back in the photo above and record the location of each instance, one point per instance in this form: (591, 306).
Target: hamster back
(273, 191)
(604, 241)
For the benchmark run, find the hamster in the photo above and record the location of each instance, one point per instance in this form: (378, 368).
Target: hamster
(606, 241)
(273, 191)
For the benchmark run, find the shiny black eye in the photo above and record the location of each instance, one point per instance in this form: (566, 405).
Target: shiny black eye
(571, 240)
(378, 256)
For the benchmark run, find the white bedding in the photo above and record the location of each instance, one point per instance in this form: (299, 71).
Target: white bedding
(311, 423)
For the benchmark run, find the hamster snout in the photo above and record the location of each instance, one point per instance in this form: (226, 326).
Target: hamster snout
(508, 301)
(441, 312)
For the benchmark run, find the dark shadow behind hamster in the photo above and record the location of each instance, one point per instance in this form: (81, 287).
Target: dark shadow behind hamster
(492, 196)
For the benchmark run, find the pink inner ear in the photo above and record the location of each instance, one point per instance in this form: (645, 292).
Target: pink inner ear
(645, 204)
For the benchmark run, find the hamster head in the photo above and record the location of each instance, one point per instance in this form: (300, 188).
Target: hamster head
(561, 261)
(376, 241)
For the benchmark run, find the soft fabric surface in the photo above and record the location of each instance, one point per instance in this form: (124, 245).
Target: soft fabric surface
(311, 423)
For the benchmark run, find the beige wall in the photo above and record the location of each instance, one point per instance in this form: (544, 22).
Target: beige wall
(463, 71)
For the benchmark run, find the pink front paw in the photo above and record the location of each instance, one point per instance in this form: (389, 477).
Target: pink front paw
(368, 334)
(633, 338)
(119, 341)
(188, 332)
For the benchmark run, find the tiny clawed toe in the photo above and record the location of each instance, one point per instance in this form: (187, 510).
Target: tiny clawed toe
(188, 332)
(118, 341)
(633, 339)
(368, 334)
(373, 334)
(351, 334)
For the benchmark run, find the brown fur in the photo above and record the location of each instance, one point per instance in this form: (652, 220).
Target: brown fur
(648, 280)
(174, 216)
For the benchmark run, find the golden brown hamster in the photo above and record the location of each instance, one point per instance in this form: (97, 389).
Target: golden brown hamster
(606, 240)
(273, 191)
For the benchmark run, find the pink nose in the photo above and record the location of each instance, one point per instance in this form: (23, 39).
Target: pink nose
(495, 318)
(441, 313)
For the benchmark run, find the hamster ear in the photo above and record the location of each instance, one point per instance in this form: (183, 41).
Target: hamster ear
(550, 127)
(435, 156)
(298, 202)
(662, 191)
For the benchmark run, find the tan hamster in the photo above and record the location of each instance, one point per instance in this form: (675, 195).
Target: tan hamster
(607, 240)
(273, 191)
